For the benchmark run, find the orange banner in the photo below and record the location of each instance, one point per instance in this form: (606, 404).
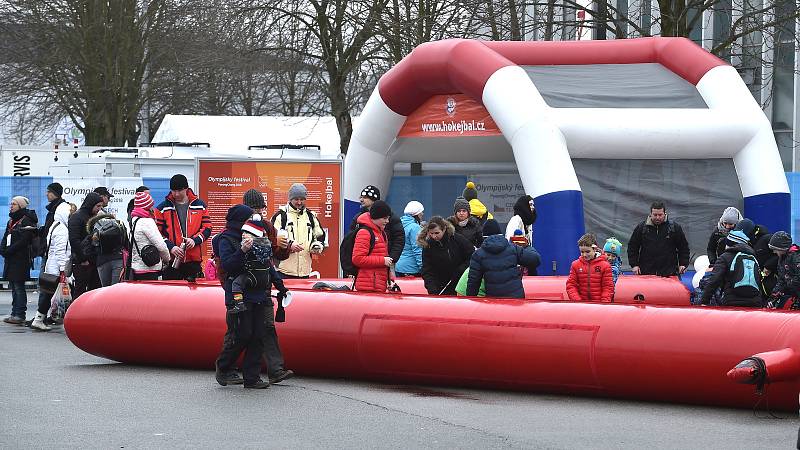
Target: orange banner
(223, 183)
(449, 116)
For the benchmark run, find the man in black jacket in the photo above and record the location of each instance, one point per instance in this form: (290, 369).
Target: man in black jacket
(658, 246)
(54, 193)
(84, 268)
(395, 235)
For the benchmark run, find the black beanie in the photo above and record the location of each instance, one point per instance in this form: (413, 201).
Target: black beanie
(254, 199)
(380, 209)
(56, 189)
(237, 216)
(491, 227)
(371, 192)
(178, 182)
(780, 241)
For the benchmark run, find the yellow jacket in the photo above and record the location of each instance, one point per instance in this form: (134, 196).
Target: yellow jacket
(478, 209)
(300, 230)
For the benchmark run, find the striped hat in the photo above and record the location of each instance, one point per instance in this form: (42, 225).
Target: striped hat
(253, 228)
(143, 200)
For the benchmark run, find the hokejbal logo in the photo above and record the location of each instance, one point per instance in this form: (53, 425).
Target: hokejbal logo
(450, 106)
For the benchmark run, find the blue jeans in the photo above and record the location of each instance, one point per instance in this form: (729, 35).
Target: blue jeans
(19, 299)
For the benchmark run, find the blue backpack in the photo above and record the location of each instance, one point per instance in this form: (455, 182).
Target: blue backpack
(743, 269)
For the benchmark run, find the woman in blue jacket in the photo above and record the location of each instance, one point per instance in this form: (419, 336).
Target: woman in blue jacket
(410, 262)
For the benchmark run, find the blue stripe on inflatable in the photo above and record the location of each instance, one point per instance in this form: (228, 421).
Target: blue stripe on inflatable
(771, 210)
(351, 208)
(559, 225)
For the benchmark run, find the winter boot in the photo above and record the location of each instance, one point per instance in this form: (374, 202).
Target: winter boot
(38, 323)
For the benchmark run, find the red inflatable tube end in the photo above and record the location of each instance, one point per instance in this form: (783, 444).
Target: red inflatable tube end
(767, 367)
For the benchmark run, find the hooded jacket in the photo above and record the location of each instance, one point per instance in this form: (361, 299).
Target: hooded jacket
(373, 274)
(77, 228)
(57, 242)
(472, 231)
(721, 277)
(410, 261)
(524, 218)
(658, 249)
(788, 278)
(395, 235)
(444, 261)
(16, 245)
(198, 224)
(104, 254)
(590, 280)
(145, 232)
(302, 231)
(497, 263)
(478, 210)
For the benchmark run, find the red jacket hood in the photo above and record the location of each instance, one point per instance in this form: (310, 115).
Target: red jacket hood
(364, 219)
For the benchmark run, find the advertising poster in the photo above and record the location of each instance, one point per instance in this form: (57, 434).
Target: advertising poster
(499, 193)
(123, 189)
(451, 115)
(222, 183)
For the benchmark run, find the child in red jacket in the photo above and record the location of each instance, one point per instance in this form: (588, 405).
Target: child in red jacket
(590, 278)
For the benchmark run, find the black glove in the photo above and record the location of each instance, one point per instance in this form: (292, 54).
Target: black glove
(238, 307)
(280, 314)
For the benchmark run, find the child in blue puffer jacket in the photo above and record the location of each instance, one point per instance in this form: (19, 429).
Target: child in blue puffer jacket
(613, 250)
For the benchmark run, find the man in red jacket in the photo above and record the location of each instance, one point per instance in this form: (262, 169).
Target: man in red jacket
(590, 278)
(183, 220)
(373, 265)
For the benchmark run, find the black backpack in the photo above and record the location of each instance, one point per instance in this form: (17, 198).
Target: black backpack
(743, 270)
(346, 249)
(111, 235)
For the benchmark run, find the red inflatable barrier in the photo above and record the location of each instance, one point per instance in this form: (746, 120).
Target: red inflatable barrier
(654, 290)
(628, 351)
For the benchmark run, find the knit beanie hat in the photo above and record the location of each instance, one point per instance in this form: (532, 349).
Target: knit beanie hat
(237, 216)
(254, 199)
(253, 228)
(56, 189)
(380, 209)
(746, 226)
(23, 202)
(371, 192)
(519, 238)
(461, 203)
(730, 215)
(178, 182)
(491, 227)
(413, 208)
(736, 237)
(780, 241)
(143, 200)
(297, 191)
(613, 245)
(470, 193)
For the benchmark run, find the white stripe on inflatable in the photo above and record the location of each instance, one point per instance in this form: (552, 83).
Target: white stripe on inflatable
(652, 133)
(758, 162)
(367, 161)
(523, 117)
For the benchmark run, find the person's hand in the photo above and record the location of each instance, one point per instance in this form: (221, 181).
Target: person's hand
(770, 305)
(295, 247)
(189, 242)
(387, 261)
(636, 270)
(247, 243)
(95, 237)
(283, 241)
(177, 252)
(681, 269)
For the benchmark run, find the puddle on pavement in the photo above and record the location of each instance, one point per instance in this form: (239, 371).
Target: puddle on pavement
(418, 391)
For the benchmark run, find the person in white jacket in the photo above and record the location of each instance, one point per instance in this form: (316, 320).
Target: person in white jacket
(145, 232)
(58, 255)
(524, 217)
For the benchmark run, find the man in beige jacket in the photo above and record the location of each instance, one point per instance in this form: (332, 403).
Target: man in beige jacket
(304, 232)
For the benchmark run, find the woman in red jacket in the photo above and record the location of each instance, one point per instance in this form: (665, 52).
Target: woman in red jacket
(373, 265)
(590, 278)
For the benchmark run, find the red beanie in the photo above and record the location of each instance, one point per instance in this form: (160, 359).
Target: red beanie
(143, 200)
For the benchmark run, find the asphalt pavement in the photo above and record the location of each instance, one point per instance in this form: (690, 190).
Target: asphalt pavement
(55, 395)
